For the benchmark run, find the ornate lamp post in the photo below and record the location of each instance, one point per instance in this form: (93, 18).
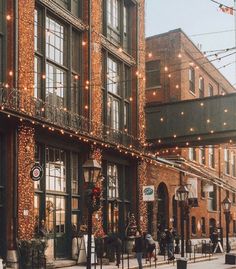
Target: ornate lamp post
(91, 170)
(227, 205)
(182, 194)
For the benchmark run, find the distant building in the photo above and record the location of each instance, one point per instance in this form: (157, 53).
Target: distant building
(177, 70)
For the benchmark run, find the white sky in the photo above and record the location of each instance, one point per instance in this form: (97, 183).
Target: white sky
(196, 17)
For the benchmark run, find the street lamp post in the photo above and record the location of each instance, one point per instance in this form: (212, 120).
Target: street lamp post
(182, 194)
(91, 170)
(227, 205)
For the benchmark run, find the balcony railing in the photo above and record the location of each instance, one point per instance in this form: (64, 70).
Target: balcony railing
(25, 105)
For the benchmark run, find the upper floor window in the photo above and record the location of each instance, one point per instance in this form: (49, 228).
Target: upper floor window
(210, 90)
(118, 21)
(153, 76)
(72, 5)
(192, 154)
(192, 79)
(212, 199)
(203, 225)
(226, 161)
(202, 155)
(58, 61)
(117, 90)
(203, 194)
(211, 157)
(201, 87)
(233, 163)
(113, 183)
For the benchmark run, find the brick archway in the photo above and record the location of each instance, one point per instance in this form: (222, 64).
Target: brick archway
(162, 206)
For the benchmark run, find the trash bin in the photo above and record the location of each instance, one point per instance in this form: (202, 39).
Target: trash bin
(182, 263)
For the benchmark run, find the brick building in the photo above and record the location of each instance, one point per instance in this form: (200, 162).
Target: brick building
(70, 90)
(177, 70)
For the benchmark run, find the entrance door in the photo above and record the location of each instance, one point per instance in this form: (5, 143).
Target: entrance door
(162, 206)
(56, 223)
(56, 201)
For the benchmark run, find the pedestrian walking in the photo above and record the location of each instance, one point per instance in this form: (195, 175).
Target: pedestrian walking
(138, 248)
(150, 247)
(170, 244)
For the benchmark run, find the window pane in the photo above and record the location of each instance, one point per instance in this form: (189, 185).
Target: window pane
(55, 41)
(113, 186)
(37, 77)
(75, 8)
(153, 78)
(113, 79)
(75, 51)
(74, 174)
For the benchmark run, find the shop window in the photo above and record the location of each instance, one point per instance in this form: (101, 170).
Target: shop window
(153, 75)
(194, 226)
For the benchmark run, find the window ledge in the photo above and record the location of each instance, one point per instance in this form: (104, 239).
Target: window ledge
(194, 94)
(158, 87)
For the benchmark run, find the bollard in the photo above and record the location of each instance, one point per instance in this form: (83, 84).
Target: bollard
(182, 263)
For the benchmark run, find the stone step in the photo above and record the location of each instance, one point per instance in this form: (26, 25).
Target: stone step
(64, 263)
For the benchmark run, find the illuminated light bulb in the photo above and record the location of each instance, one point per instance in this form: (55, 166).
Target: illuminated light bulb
(201, 78)
(187, 143)
(179, 55)
(2, 107)
(166, 68)
(182, 113)
(224, 123)
(154, 93)
(6, 85)
(161, 119)
(169, 76)
(177, 86)
(8, 116)
(174, 135)
(226, 110)
(33, 122)
(149, 55)
(230, 141)
(208, 121)
(191, 129)
(76, 132)
(86, 107)
(201, 104)
(199, 138)
(21, 119)
(86, 87)
(176, 147)
(120, 49)
(10, 73)
(70, 135)
(43, 125)
(212, 132)
(76, 77)
(131, 99)
(197, 67)
(191, 63)
(84, 43)
(87, 82)
(43, 76)
(137, 73)
(159, 141)
(8, 17)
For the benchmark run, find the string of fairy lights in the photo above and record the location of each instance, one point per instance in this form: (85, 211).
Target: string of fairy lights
(148, 157)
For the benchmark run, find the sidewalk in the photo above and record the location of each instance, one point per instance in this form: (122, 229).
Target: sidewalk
(133, 263)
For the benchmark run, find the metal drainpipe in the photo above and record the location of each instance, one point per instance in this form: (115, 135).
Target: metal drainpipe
(89, 64)
(220, 212)
(137, 60)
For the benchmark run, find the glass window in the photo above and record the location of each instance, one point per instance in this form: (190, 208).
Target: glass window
(74, 173)
(153, 77)
(37, 77)
(192, 154)
(113, 76)
(112, 177)
(55, 170)
(210, 90)
(233, 163)
(202, 155)
(203, 225)
(192, 79)
(72, 5)
(201, 87)
(226, 161)
(194, 226)
(211, 156)
(212, 199)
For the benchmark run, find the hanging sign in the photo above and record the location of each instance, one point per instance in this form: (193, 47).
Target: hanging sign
(208, 187)
(36, 172)
(148, 193)
(192, 187)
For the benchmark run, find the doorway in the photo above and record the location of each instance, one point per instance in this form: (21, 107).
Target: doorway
(162, 206)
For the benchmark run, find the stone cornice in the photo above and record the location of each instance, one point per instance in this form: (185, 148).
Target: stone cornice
(66, 15)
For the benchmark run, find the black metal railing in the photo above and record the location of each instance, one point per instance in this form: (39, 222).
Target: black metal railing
(16, 102)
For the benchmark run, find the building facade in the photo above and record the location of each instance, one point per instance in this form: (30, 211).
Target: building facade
(177, 70)
(72, 87)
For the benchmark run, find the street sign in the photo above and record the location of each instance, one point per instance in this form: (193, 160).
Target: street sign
(148, 193)
(36, 172)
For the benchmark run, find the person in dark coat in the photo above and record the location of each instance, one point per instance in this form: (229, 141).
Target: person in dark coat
(214, 239)
(170, 244)
(115, 244)
(138, 248)
(151, 245)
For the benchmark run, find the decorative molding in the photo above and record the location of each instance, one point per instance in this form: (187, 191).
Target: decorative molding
(115, 50)
(65, 14)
